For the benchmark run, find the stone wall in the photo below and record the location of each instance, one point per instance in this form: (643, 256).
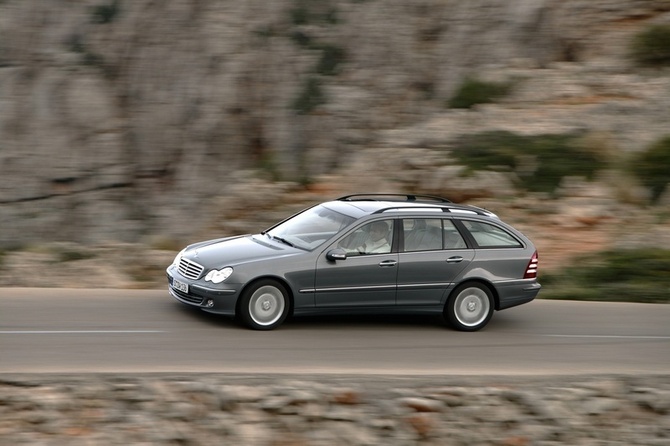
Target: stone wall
(331, 410)
(120, 118)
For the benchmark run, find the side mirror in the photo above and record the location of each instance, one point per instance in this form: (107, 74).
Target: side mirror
(336, 254)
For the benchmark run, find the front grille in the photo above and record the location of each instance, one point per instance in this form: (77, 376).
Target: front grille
(190, 269)
(188, 297)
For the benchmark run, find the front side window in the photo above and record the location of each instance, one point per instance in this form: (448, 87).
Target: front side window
(490, 236)
(372, 238)
(311, 228)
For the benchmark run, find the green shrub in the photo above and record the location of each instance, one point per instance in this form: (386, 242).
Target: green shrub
(103, 14)
(264, 32)
(61, 252)
(331, 57)
(313, 11)
(71, 254)
(300, 14)
(93, 60)
(540, 162)
(330, 16)
(301, 39)
(75, 43)
(268, 164)
(473, 91)
(651, 47)
(310, 97)
(638, 275)
(653, 167)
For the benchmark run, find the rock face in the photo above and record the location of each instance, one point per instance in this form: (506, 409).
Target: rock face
(121, 119)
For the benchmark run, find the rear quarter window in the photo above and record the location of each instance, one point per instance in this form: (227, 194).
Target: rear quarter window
(487, 235)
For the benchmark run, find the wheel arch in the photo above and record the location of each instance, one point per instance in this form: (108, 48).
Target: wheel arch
(486, 283)
(277, 279)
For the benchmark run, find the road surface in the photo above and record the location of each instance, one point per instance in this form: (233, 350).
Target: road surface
(132, 331)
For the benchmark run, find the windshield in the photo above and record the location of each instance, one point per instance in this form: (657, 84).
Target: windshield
(311, 228)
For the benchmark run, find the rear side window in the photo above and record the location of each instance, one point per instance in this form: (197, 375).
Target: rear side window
(431, 234)
(490, 236)
(422, 234)
(452, 238)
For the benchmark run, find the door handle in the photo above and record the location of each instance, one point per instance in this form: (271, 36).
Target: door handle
(455, 259)
(388, 263)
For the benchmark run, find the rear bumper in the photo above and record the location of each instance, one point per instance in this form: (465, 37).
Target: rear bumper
(518, 292)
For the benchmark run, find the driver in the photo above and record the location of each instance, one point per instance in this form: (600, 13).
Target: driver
(376, 241)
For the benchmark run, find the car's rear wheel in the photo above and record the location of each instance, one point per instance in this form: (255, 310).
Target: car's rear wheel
(470, 307)
(264, 305)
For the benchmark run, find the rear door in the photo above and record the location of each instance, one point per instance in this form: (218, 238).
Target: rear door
(432, 255)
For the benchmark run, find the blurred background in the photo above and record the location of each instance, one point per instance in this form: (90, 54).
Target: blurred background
(129, 128)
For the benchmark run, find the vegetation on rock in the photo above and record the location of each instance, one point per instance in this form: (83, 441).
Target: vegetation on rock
(473, 92)
(311, 96)
(540, 162)
(651, 46)
(635, 275)
(652, 167)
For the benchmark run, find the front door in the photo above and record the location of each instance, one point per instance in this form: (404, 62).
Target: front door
(367, 277)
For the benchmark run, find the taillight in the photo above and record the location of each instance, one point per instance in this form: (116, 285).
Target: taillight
(531, 269)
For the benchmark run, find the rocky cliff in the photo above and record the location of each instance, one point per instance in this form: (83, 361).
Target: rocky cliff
(120, 119)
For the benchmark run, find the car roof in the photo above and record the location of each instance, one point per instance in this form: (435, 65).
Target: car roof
(360, 205)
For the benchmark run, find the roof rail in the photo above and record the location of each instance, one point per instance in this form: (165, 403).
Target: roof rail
(443, 208)
(394, 197)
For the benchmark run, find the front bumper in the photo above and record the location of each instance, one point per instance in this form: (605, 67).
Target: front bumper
(214, 300)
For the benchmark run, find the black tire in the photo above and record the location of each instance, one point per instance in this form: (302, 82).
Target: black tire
(264, 305)
(469, 307)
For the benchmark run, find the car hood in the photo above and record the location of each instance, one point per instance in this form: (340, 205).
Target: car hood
(237, 250)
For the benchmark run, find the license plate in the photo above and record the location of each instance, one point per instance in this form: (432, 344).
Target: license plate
(180, 286)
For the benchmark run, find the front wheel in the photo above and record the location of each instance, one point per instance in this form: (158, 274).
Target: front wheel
(470, 307)
(264, 305)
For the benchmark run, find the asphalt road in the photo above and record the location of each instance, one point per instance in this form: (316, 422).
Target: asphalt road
(71, 331)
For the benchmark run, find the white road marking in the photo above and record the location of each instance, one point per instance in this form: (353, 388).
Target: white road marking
(79, 331)
(605, 336)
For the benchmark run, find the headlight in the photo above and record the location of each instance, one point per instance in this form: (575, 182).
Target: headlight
(218, 276)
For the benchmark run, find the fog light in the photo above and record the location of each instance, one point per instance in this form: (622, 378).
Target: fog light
(210, 303)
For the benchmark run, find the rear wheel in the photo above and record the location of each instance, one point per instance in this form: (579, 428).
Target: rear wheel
(470, 307)
(264, 305)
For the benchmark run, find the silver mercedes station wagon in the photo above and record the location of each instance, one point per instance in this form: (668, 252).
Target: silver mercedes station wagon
(364, 253)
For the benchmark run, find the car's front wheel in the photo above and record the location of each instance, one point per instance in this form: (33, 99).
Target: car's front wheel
(470, 307)
(264, 305)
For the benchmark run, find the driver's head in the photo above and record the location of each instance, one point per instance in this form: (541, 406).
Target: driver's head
(378, 230)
